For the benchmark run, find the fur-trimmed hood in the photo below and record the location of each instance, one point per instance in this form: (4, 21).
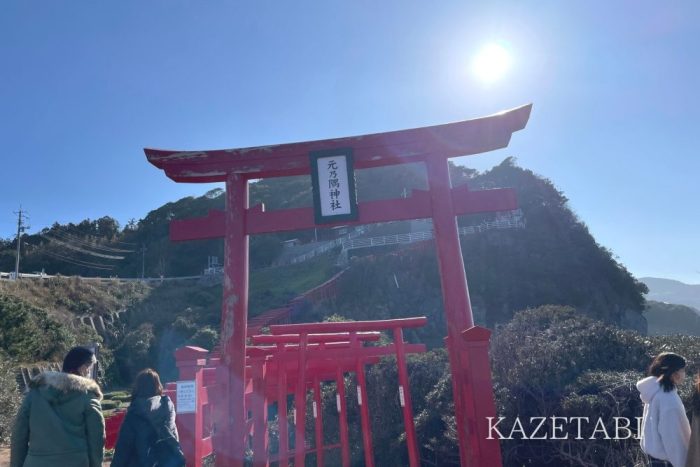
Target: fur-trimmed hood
(65, 383)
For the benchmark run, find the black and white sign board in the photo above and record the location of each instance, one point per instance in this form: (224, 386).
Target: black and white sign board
(333, 179)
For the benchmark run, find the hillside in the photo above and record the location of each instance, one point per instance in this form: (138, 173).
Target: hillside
(153, 320)
(665, 319)
(553, 260)
(671, 291)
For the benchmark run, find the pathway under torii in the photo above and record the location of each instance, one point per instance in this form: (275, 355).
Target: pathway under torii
(433, 146)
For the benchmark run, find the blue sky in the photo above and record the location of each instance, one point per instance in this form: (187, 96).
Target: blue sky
(84, 86)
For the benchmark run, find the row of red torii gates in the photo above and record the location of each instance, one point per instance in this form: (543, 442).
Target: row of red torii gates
(433, 146)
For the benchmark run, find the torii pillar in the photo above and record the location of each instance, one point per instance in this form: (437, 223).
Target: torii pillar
(467, 345)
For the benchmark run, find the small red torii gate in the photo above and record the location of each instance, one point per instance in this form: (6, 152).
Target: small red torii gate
(433, 146)
(309, 353)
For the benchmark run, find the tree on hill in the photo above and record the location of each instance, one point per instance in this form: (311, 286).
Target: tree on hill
(554, 259)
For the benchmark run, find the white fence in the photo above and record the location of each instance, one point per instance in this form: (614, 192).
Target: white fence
(11, 276)
(428, 235)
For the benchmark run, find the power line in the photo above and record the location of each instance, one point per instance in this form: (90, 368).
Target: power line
(79, 249)
(78, 262)
(73, 238)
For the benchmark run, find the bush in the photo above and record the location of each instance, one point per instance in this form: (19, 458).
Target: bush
(10, 397)
(21, 323)
(552, 361)
(111, 404)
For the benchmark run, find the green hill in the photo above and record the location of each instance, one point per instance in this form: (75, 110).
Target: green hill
(553, 260)
(667, 318)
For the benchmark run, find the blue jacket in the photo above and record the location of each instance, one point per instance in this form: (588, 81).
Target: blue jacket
(137, 433)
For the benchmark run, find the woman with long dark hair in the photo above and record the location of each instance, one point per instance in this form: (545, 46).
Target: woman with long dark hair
(665, 428)
(60, 420)
(148, 435)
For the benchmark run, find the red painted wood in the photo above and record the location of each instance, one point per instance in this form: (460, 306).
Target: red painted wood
(364, 414)
(112, 425)
(313, 338)
(407, 406)
(349, 326)
(415, 207)
(190, 426)
(300, 405)
(455, 292)
(234, 324)
(259, 409)
(318, 421)
(475, 355)
(267, 382)
(199, 228)
(282, 391)
(465, 201)
(343, 417)
(373, 150)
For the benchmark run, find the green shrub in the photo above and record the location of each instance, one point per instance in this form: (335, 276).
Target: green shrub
(111, 404)
(10, 397)
(121, 397)
(552, 361)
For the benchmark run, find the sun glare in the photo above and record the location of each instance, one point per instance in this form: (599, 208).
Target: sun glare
(491, 63)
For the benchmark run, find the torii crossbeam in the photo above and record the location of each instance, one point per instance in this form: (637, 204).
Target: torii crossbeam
(432, 146)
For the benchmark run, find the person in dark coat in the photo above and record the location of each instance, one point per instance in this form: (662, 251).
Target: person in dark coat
(60, 421)
(149, 421)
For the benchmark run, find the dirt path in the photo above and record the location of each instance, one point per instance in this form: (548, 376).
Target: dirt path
(5, 457)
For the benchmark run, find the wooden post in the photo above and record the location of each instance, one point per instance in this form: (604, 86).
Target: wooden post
(405, 399)
(300, 405)
(283, 454)
(231, 446)
(259, 408)
(190, 362)
(318, 421)
(455, 292)
(342, 406)
(364, 414)
(475, 362)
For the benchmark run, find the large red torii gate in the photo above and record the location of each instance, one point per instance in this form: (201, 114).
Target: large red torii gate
(471, 379)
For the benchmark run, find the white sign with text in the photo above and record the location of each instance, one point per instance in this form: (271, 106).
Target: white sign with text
(186, 397)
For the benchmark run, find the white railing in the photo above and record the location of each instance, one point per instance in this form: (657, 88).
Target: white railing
(387, 240)
(428, 235)
(315, 252)
(22, 275)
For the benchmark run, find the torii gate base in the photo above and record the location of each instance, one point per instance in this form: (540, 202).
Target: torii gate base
(433, 146)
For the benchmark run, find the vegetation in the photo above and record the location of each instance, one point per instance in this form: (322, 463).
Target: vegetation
(10, 397)
(667, 318)
(549, 361)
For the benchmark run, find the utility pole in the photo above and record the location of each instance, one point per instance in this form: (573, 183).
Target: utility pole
(143, 261)
(21, 227)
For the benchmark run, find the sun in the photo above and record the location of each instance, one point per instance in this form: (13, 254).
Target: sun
(491, 62)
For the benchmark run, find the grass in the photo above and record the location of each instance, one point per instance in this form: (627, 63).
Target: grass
(274, 287)
(70, 296)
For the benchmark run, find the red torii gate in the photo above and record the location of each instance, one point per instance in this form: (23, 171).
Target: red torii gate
(471, 380)
(308, 353)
